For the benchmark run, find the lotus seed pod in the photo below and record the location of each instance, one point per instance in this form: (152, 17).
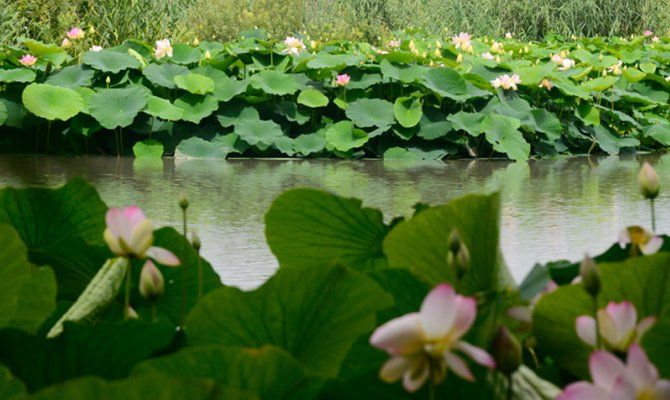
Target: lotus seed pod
(152, 284)
(506, 351)
(588, 270)
(649, 182)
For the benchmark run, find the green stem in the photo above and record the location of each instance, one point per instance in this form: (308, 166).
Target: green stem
(510, 392)
(653, 215)
(153, 311)
(199, 276)
(595, 316)
(182, 308)
(126, 299)
(431, 388)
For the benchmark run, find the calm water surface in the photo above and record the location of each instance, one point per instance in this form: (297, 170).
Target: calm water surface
(551, 209)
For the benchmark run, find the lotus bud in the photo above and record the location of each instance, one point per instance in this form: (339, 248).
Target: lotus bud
(195, 241)
(459, 59)
(454, 241)
(152, 284)
(108, 80)
(458, 256)
(588, 271)
(131, 313)
(649, 182)
(208, 55)
(183, 201)
(91, 30)
(506, 351)
(196, 42)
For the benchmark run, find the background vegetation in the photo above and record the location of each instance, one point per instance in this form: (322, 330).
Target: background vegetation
(184, 20)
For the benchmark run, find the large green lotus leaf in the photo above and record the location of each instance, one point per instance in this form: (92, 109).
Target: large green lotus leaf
(168, 309)
(569, 88)
(503, 133)
(73, 77)
(22, 75)
(110, 61)
(408, 111)
(195, 83)
(546, 122)
(334, 61)
(258, 131)
(312, 98)
(468, 122)
(341, 305)
(309, 143)
(140, 388)
(659, 131)
(270, 372)
(225, 87)
(114, 108)
(641, 280)
(420, 243)
(52, 102)
(367, 113)
(292, 112)
(532, 75)
(402, 73)
(433, 124)
(148, 148)
(3, 113)
(164, 74)
(275, 82)
(46, 52)
(109, 350)
(37, 300)
(446, 82)
(163, 109)
(344, 137)
(196, 147)
(235, 111)
(311, 227)
(196, 108)
(14, 272)
(10, 387)
(58, 227)
(611, 142)
(600, 84)
(185, 54)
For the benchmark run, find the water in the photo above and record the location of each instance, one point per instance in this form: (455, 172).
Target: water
(551, 209)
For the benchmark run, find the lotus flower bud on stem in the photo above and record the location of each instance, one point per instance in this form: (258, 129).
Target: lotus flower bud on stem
(458, 256)
(152, 284)
(195, 241)
(506, 351)
(183, 201)
(649, 182)
(588, 271)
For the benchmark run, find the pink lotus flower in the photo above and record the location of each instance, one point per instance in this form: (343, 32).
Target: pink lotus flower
(617, 325)
(612, 379)
(163, 48)
(28, 60)
(95, 48)
(641, 240)
(506, 82)
(394, 44)
(294, 45)
(462, 41)
(423, 343)
(130, 234)
(342, 80)
(75, 33)
(648, 33)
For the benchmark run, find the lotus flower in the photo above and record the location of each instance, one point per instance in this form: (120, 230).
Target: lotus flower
(488, 56)
(546, 84)
(462, 41)
(509, 35)
(616, 68)
(430, 337)
(641, 240)
(617, 325)
(557, 59)
(96, 48)
(612, 379)
(525, 313)
(28, 60)
(648, 33)
(566, 64)
(65, 43)
(130, 234)
(506, 82)
(163, 48)
(294, 45)
(75, 33)
(497, 47)
(394, 44)
(342, 80)
(655, 39)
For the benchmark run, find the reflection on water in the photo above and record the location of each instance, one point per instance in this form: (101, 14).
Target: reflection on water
(551, 208)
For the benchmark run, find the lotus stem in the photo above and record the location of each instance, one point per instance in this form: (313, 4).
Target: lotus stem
(199, 276)
(653, 215)
(595, 317)
(510, 391)
(126, 299)
(153, 311)
(182, 309)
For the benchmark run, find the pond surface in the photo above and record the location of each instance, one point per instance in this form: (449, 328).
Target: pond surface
(551, 209)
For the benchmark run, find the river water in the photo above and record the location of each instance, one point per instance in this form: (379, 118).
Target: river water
(551, 209)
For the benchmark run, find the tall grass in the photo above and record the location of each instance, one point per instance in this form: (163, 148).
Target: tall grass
(372, 20)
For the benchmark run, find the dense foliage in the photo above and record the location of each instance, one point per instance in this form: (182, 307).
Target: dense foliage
(306, 332)
(417, 97)
(372, 20)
